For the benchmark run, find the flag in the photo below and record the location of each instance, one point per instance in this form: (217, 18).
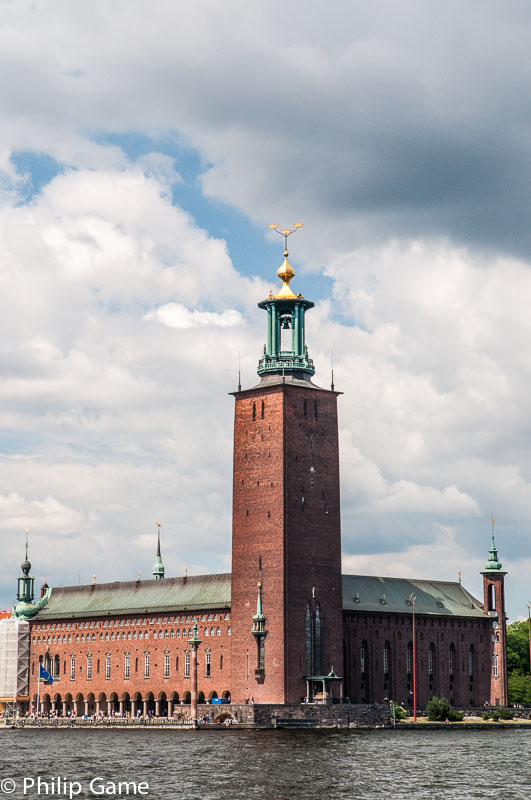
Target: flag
(45, 675)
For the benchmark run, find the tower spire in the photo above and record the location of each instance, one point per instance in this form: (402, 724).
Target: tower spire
(158, 566)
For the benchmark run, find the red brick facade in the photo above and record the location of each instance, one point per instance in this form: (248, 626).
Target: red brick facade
(156, 684)
(453, 658)
(286, 535)
(494, 599)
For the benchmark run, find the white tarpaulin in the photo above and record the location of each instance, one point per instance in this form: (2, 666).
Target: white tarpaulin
(14, 658)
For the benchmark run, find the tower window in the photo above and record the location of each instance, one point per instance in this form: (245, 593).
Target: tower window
(315, 409)
(305, 409)
(254, 410)
(262, 409)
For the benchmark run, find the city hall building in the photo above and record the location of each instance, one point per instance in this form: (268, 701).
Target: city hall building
(285, 625)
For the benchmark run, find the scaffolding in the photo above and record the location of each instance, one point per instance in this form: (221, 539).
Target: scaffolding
(14, 665)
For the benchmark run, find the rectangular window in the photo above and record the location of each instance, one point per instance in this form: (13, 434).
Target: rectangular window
(362, 658)
(386, 660)
(146, 665)
(127, 666)
(470, 663)
(207, 665)
(108, 667)
(166, 665)
(451, 662)
(495, 667)
(430, 661)
(409, 653)
(187, 664)
(72, 668)
(89, 667)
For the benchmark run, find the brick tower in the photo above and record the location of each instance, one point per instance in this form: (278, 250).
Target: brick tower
(494, 604)
(286, 605)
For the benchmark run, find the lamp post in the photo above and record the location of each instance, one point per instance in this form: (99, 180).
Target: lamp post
(194, 641)
(412, 599)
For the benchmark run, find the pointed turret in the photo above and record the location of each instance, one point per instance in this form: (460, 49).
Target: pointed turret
(158, 566)
(493, 564)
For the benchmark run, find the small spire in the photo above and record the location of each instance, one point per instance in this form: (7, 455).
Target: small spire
(158, 566)
(332, 381)
(94, 579)
(493, 564)
(138, 575)
(459, 576)
(239, 372)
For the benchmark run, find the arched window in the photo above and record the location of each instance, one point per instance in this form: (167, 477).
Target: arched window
(187, 664)
(146, 665)
(495, 666)
(166, 664)
(451, 658)
(471, 662)
(409, 658)
(108, 667)
(89, 666)
(363, 658)
(386, 658)
(431, 659)
(207, 664)
(254, 410)
(491, 597)
(262, 409)
(72, 668)
(127, 666)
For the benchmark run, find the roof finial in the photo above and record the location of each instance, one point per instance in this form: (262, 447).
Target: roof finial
(286, 271)
(239, 372)
(332, 381)
(459, 576)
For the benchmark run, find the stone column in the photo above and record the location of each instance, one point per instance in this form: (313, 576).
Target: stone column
(194, 643)
(145, 708)
(133, 709)
(121, 708)
(75, 708)
(157, 708)
(109, 708)
(53, 706)
(64, 708)
(97, 707)
(170, 709)
(86, 708)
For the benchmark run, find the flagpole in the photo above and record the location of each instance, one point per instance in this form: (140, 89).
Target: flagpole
(38, 691)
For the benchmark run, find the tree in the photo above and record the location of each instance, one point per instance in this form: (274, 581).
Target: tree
(519, 682)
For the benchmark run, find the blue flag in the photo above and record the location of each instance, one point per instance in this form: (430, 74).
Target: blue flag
(45, 675)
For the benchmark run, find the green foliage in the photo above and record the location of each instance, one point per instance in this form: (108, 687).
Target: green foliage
(440, 710)
(400, 713)
(498, 714)
(518, 647)
(519, 686)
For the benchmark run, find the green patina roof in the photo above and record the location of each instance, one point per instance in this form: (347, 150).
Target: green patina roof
(197, 592)
(391, 595)
(191, 593)
(493, 564)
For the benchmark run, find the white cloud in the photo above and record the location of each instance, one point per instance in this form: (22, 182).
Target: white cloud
(175, 315)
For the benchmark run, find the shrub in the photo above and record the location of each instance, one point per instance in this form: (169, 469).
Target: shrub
(400, 713)
(438, 709)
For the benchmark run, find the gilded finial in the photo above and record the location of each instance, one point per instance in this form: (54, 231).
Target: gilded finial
(138, 575)
(459, 575)
(286, 271)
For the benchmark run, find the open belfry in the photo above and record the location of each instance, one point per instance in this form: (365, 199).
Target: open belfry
(285, 628)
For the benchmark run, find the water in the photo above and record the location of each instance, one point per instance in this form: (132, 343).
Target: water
(234, 765)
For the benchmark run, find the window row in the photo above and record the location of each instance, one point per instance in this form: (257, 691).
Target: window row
(53, 665)
(126, 622)
(386, 660)
(123, 635)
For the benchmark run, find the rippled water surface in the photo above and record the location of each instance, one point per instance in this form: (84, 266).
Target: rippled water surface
(314, 765)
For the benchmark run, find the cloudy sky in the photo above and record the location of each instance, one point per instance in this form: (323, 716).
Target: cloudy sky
(144, 148)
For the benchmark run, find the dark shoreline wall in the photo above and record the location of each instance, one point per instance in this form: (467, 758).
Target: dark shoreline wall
(342, 715)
